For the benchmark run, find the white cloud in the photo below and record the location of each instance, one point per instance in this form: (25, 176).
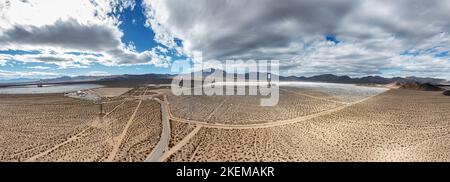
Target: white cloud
(3, 59)
(61, 60)
(39, 67)
(68, 35)
(28, 74)
(163, 34)
(423, 65)
(373, 34)
(114, 57)
(54, 28)
(98, 73)
(47, 12)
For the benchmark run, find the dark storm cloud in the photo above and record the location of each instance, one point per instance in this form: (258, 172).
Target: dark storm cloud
(102, 42)
(372, 33)
(233, 28)
(65, 34)
(51, 59)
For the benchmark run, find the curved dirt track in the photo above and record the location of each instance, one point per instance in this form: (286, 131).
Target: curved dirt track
(60, 128)
(77, 136)
(200, 124)
(314, 97)
(178, 146)
(398, 125)
(163, 143)
(265, 125)
(122, 135)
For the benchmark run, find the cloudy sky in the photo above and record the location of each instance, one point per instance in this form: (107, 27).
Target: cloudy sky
(50, 38)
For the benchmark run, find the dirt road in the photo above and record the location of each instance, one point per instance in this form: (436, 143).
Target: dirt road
(270, 124)
(163, 143)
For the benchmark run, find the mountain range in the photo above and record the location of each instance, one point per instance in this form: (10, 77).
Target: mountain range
(364, 80)
(166, 78)
(330, 78)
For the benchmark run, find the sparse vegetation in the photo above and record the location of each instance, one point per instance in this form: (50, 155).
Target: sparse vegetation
(399, 125)
(51, 127)
(245, 109)
(143, 134)
(447, 93)
(179, 131)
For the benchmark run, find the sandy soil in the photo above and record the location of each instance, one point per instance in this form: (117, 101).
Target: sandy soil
(143, 134)
(399, 125)
(51, 127)
(246, 109)
(110, 106)
(110, 91)
(179, 131)
(31, 124)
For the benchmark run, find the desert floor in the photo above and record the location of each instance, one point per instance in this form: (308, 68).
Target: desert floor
(397, 125)
(51, 127)
(306, 125)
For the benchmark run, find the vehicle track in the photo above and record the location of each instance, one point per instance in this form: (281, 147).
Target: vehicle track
(270, 124)
(164, 139)
(114, 109)
(78, 135)
(198, 147)
(200, 124)
(314, 97)
(215, 109)
(180, 144)
(35, 147)
(116, 146)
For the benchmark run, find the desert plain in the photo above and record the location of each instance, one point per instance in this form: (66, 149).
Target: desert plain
(308, 124)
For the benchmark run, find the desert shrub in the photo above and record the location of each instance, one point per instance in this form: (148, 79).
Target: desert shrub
(447, 93)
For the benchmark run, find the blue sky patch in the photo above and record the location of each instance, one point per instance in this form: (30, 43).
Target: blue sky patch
(332, 38)
(441, 54)
(18, 52)
(133, 26)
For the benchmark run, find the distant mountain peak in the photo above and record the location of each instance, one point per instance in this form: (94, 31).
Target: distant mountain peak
(367, 79)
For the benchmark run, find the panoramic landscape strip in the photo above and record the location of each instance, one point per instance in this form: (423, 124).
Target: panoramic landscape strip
(224, 81)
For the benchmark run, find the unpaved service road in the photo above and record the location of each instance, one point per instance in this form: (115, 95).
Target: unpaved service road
(398, 125)
(163, 143)
(51, 127)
